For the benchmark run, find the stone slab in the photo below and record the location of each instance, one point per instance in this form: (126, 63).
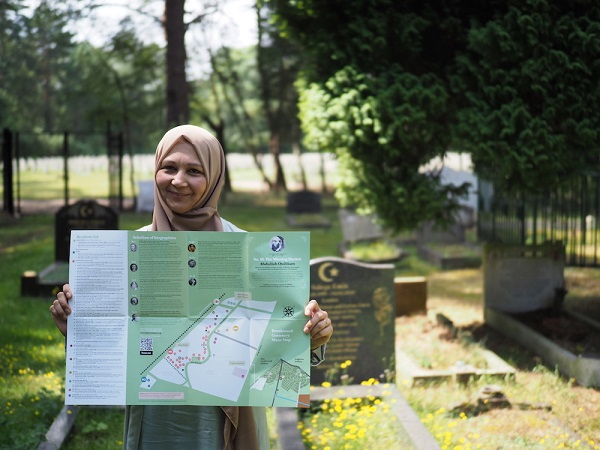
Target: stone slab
(60, 428)
(289, 436)
(585, 370)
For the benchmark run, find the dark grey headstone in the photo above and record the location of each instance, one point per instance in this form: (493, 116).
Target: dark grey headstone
(304, 202)
(83, 215)
(361, 302)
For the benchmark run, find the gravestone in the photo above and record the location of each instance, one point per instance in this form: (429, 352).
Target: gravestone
(453, 233)
(522, 278)
(82, 215)
(303, 202)
(145, 198)
(359, 228)
(304, 209)
(361, 302)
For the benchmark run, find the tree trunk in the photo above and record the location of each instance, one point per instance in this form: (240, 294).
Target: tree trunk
(273, 118)
(245, 122)
(298, 154)
(219, 129)
(178, 111)
(323, 174)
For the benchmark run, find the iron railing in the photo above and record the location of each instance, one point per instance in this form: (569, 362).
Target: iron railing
(567, 214)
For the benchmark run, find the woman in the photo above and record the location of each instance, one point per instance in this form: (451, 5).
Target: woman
(189, 177)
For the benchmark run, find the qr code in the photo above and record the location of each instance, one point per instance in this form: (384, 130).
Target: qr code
(146, 344)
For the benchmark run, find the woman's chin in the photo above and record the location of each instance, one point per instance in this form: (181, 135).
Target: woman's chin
(179, 207)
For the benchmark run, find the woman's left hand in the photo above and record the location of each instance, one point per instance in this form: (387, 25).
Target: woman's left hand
(319, 326)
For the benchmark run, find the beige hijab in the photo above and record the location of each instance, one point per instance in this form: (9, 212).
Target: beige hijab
(204, 215)
(240, 429)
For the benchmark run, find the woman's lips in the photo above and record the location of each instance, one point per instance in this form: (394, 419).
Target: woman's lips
(177, 194)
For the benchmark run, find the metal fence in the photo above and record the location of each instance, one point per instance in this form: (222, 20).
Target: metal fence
(568, 214)
(22, 148)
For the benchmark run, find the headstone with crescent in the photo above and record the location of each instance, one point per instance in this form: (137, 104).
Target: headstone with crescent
(82, 215)
(360, 299)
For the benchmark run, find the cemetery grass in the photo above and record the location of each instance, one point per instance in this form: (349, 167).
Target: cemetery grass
(546, 410)
(32, 352)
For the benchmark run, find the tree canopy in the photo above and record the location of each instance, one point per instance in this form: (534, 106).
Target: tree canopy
(386, 85)
(377, 93)
(529, 111)
(392, 84)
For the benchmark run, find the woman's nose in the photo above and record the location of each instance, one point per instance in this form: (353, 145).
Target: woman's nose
(178, 179)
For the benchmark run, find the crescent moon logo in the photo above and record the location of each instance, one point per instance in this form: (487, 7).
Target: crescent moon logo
(322, 274)
(86, 211)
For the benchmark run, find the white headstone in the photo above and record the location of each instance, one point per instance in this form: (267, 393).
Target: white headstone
(522, 278)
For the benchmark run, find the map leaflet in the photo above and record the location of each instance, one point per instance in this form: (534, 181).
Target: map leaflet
(191, 318)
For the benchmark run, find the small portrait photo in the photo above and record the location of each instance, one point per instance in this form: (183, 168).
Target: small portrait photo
(133, 247)
(134, 300)
(192, 281)
(134, 317)
(277, 243)
(133, 267)
(192, 248)
(192, 263)
(134, 285)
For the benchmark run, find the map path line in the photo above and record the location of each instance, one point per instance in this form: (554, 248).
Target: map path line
(202, 315)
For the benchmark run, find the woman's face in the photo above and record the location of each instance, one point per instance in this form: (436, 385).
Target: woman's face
(180, 178)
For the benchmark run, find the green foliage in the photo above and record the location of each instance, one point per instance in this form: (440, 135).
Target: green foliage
(392, 84)
(529, 82)
(230, 94)
(378, 96)
(33, 56)
(121, 84)
(50, 83)
(383, 129)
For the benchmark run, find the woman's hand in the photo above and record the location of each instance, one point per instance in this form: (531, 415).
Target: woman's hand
(319, 325)
(60, 308)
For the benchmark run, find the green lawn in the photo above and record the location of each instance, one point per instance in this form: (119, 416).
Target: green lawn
(32, 349)
(32, 352)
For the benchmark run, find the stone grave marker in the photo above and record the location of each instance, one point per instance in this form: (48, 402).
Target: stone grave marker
(304, 208)
(451, 234)
(361, 302)
(82, 215)
(359, 228)
(522, 278)
(145, 198)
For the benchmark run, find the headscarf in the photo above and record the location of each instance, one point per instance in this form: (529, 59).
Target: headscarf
(203, 216)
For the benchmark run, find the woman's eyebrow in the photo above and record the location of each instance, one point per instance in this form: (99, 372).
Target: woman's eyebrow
(170, 161)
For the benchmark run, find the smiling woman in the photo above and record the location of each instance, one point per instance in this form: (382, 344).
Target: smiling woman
(189, 175)
(181, 179)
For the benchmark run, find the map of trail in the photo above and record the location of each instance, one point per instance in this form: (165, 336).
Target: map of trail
(216, 356)
(285, 381)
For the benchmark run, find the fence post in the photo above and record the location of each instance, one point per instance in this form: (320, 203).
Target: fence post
(8, 204)
(66, 165)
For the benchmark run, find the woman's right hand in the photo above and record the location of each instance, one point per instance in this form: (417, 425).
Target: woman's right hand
(60, 308)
